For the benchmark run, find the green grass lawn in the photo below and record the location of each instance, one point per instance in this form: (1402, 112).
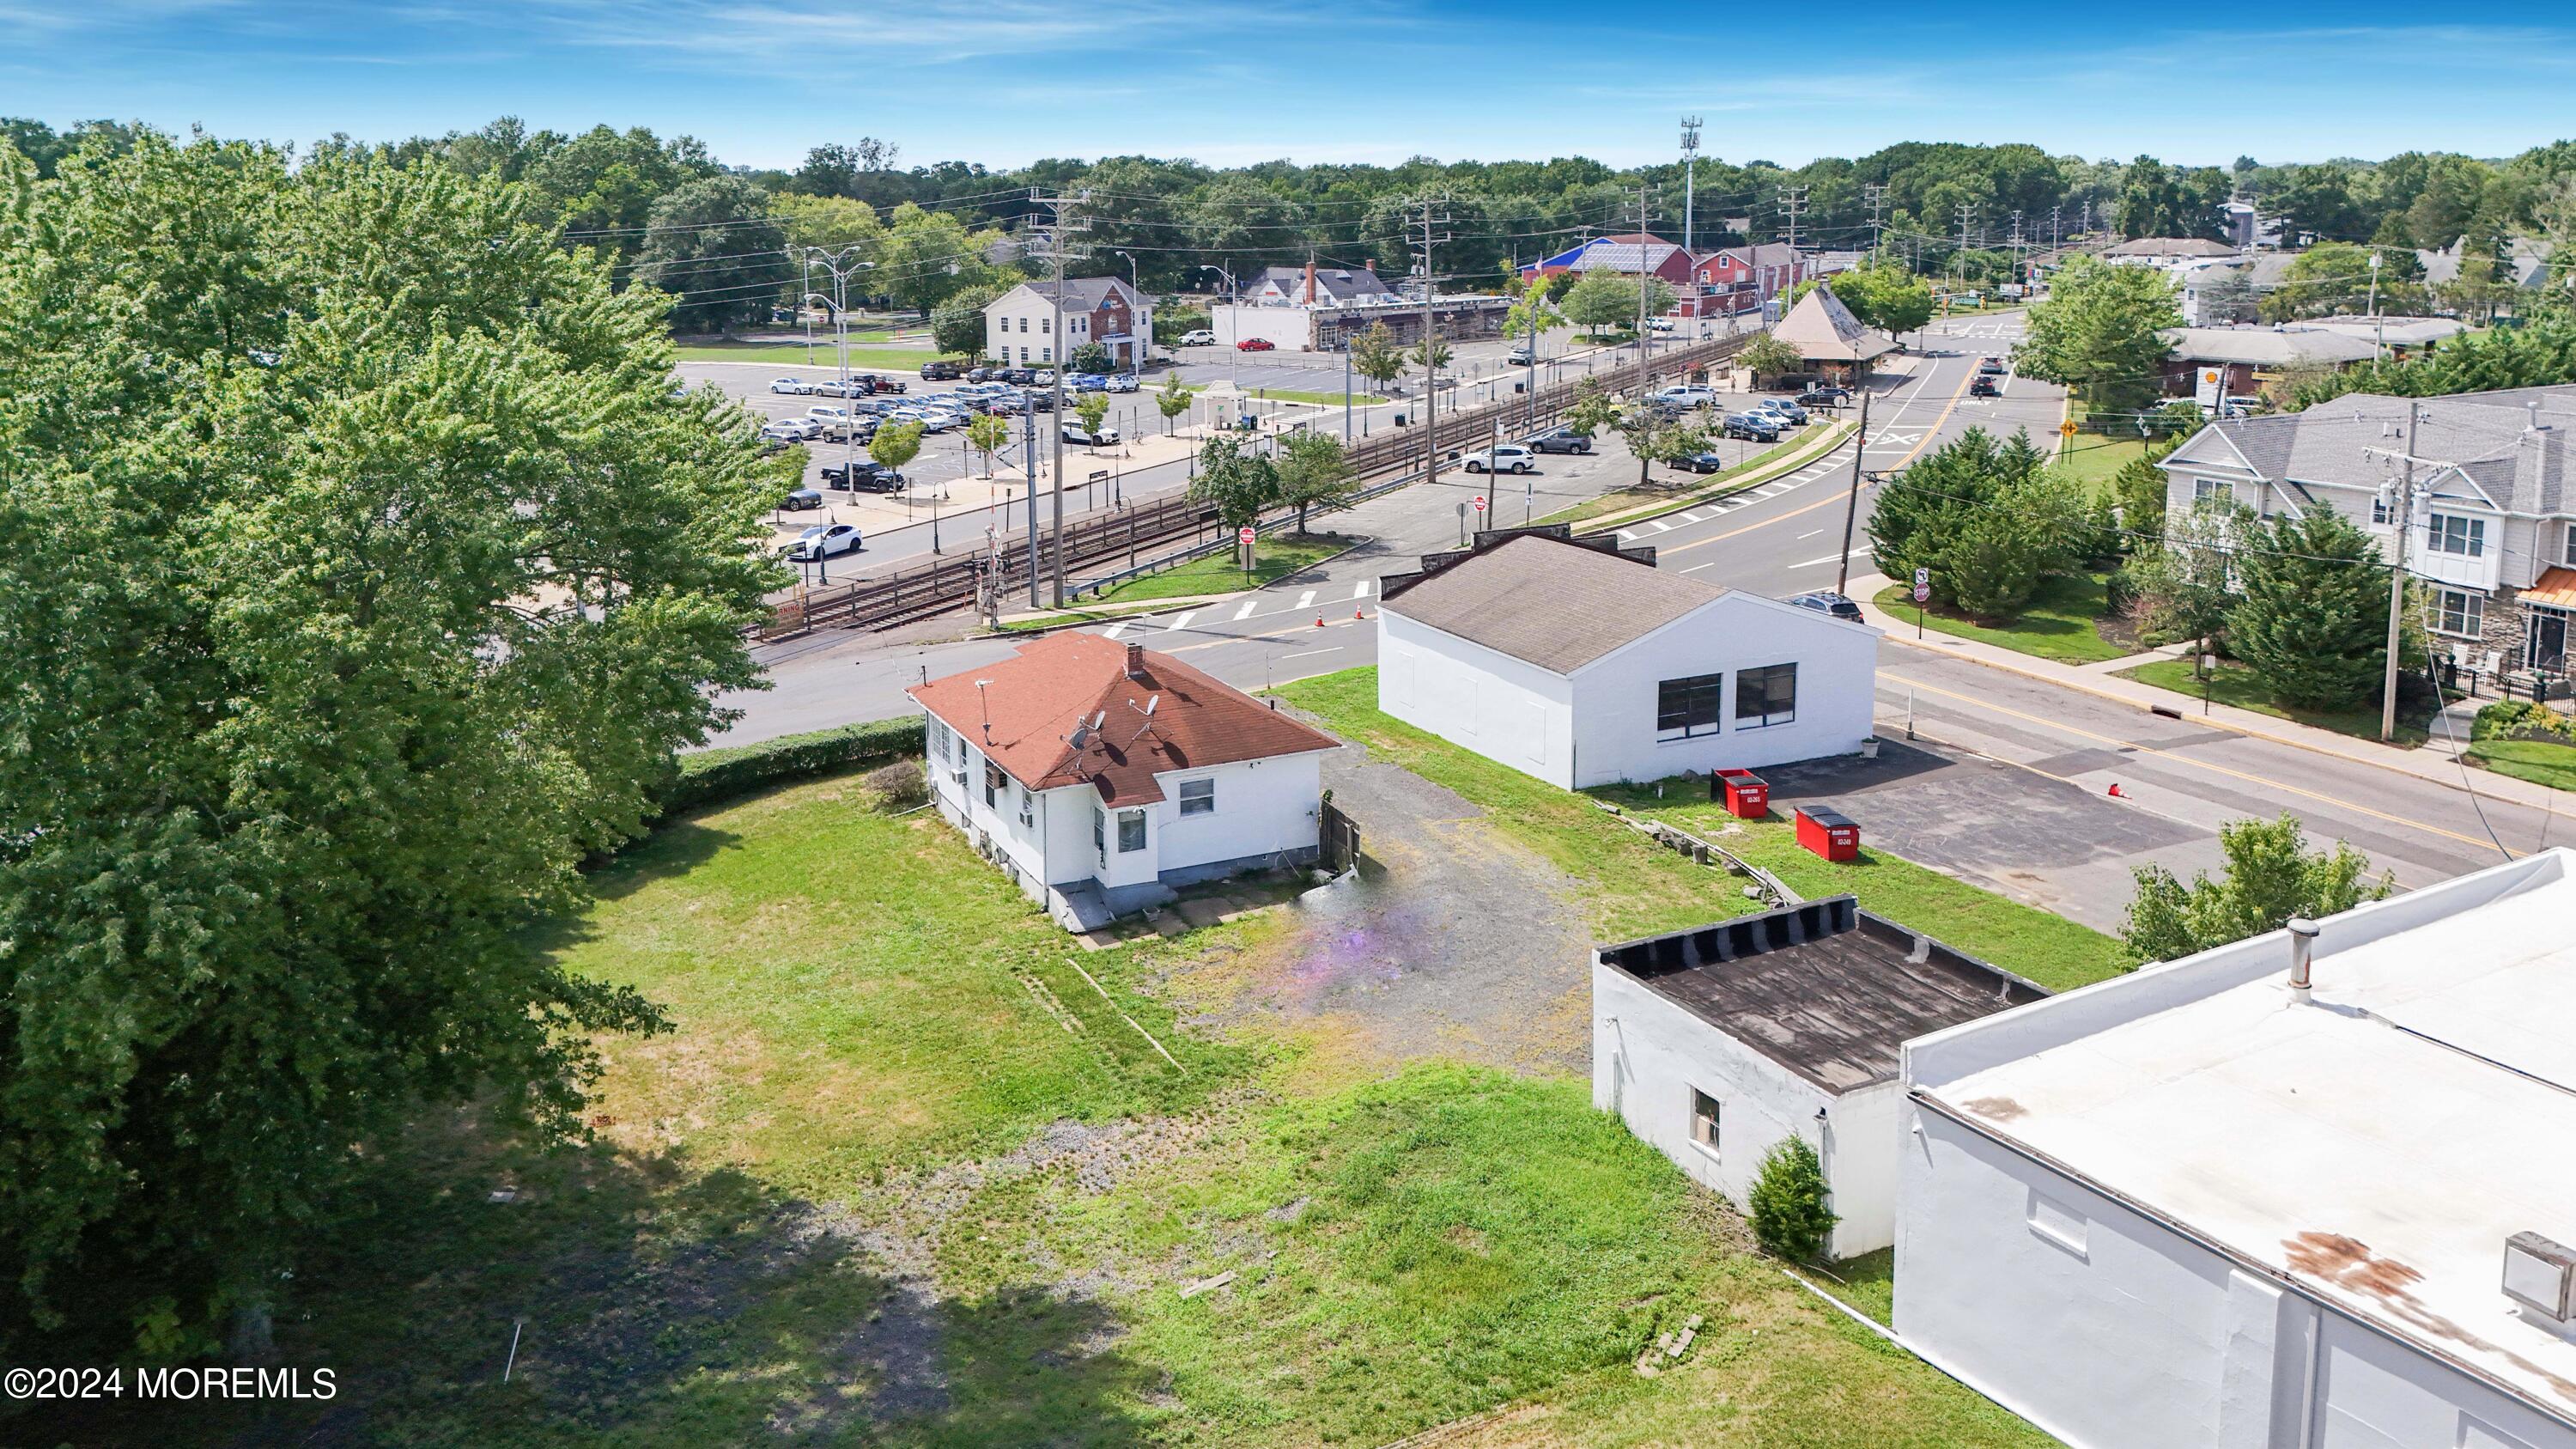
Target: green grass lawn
(2094, 459)
(1638, 889)
(1328, 399)
(2057, 625)
(883, 359)
(2538, 761)
(2236, 684)
(1274, 557)
(901, 1176)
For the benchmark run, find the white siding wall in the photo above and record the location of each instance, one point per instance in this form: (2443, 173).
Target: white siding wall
(1290, 329)
(1002, 323)
(1023, 847)
(1261, 806)
(1614, 714)
(1503, 708)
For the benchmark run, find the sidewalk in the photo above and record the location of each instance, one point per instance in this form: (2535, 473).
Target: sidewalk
(2432, 761)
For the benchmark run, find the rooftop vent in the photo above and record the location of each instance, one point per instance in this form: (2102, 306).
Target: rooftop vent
(2540, 1275)
(2303, 949)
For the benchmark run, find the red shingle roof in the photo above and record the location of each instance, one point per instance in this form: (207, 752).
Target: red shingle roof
(1034, 703)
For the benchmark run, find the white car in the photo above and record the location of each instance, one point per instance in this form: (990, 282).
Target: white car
(823, 541)
(1123, 382)
(1201, 338)
(1659, 324)
(1507, 458)
(796, 386)
(1074, 433)
(823, 415)
(1688, 397)
(790, 430)
(940, 420)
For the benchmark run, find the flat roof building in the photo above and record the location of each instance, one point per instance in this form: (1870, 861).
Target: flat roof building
(2206, 1204)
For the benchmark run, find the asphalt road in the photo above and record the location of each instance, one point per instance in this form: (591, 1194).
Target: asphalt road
(2008, 779)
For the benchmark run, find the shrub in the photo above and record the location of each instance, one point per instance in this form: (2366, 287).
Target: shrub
(711, 776)
(903, 785)
(2515, 719)
(1787, 1206)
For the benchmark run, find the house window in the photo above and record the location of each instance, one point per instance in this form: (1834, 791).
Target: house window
(992, 785)
(1046, 325)
(2379, 508)
(1024, 324)
(2452, 534)
(939, 742)
(1766, 696)
(1046, 354)
(1703, 1119)
(1028, 807)
(1131, 831)
(1198, 797)
(1687, 707)
(2569, 557)
(2459, 612)
(1100, 832)
(2211, 490)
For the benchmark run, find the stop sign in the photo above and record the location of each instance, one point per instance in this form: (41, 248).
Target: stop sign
(1480, 503)
(1243, 535)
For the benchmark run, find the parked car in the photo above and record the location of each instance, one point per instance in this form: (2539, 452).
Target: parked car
(941, 372)
(1086, 381)
(790, 430)
(1991, 367)
(861, 477)
(823, 540)
(940, 420)
(824, 418)
(1075, 433)
(1688, 396)
(1826, 601)
(1041, 398)
(1783, 409)
(832, 387)
(1560, 440)
(1984, 386)
(1756, 427)
(1702, 463)
(1503, 458)
(1124, 382)
(800, 499)
(1660, 324)
(798, 386)
(1256, 344)
(1009, 406)
(1521, 357)
(985, 374)
(1199, 338)
(1826, 396)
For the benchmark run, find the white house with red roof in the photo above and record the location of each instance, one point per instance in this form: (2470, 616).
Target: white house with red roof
(1100, 776)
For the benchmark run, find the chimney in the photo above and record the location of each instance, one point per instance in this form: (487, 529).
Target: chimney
(1136, 661)
(1310, 281)
(2303, 947)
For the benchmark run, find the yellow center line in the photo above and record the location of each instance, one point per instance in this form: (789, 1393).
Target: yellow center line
(2196, 763)
(1924, 442)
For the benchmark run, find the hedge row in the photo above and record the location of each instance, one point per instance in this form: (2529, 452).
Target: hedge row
(710, 776)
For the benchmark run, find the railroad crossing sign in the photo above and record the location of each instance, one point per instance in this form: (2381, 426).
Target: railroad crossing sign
(1922, 585)
(1480, 503)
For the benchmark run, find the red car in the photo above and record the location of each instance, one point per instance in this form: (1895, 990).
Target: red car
(1255, 344)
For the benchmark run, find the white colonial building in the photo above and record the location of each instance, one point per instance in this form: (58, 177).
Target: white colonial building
(1019, 325)
(1583, 664)
(1101, 776)
(2300, 1192)
(1717, 1043)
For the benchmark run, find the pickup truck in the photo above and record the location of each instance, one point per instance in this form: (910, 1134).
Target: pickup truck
(862, 478)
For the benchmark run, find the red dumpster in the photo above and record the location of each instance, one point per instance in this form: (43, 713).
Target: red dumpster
(1828, 832)
(1747, 795)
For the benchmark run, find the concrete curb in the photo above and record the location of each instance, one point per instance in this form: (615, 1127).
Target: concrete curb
(1155, 606)
(1835, 433)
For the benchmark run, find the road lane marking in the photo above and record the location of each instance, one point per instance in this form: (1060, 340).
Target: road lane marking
(1114, 631)
(1306, 598)
(1811, 563)
(1627, 535)
(1802, 538)
(2197, 763)
(1360, 589)
(1180, 621)
(1659, 526)
(1248, 606)
(1311, 653)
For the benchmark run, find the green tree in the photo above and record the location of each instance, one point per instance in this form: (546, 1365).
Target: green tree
(349, 625)
(926, 257)
(1654, 437)
(1602, 300)
(2270, 878)
(1533, 312)
(1091, 357)
(1990, 520)
(2099, 334)
(1430, 355)
(2325, 280)
(1239, 482)
(1789, 1207)
(1591, 411)
(2181, 585)
(1093, 409)
(1172, 399)
(957, 325)
(987, 434)
(1314, 473)
(1768, 356)
(2228, 298)
(897, 444)
(1375, 356)
(827, 221)
(2311, 614)
(713, 246)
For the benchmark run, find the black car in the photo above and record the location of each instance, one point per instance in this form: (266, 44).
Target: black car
(862, 478)
(1826, 601)
(941, 372)
(1984, 386)
(1021, 376)
(1702, 463)
(1751, 428)
(1824, 397)
(1561, 440)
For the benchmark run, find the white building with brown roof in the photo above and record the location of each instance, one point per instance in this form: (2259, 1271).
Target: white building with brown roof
(1583, 664)
(1102, 776)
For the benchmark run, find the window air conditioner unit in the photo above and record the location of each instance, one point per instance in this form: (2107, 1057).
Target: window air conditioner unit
(2540, 1275)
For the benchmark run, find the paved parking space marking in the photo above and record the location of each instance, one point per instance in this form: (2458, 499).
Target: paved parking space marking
(1180, 621)
(1248, 606)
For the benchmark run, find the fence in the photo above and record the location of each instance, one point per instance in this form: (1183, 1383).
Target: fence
(904, 595)
(1337, 838)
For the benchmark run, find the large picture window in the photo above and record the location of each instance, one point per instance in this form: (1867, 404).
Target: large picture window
(1687, 707)
(2450, 533)
(1766, 696)
(2459, 612)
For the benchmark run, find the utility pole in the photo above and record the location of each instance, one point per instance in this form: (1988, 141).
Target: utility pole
(1967, 216)
(1875, 195)
(1690, 178)
(2379, 329)
(1430, 337)
(1058, 253)
(2016, 244)
(1851, 509)
(2402, 517)
(2053, 214)
(1641, 288)
(1029, 460)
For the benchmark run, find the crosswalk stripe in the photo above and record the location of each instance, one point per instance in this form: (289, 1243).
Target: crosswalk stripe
(1660, 525)
(1246, 611)
(1627, 535)
(1115, 630)
(1360, 589)
(1305, 598)
(1181, 620)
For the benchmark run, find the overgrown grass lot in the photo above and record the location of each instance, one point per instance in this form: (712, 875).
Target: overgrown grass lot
(911, 1170)
(2233, 683)
(2058, 623)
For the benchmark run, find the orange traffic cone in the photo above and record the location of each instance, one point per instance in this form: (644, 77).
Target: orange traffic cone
(2114, 791)
(1359, 613)
(1319, 621)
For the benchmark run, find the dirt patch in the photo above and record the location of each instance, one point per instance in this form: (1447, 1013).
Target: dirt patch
(1451, 940)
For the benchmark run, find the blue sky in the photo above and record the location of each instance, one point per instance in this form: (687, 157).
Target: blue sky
(1006, 81)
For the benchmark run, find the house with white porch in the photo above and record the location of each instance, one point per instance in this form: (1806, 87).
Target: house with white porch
(1019, 325)
(1100, 777)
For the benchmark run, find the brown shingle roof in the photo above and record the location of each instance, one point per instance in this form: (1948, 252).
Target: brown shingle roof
(1556, 604)
(1822, 329)
(1036, 704)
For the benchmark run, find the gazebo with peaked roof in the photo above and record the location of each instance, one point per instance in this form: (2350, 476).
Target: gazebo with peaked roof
(1828, 337)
